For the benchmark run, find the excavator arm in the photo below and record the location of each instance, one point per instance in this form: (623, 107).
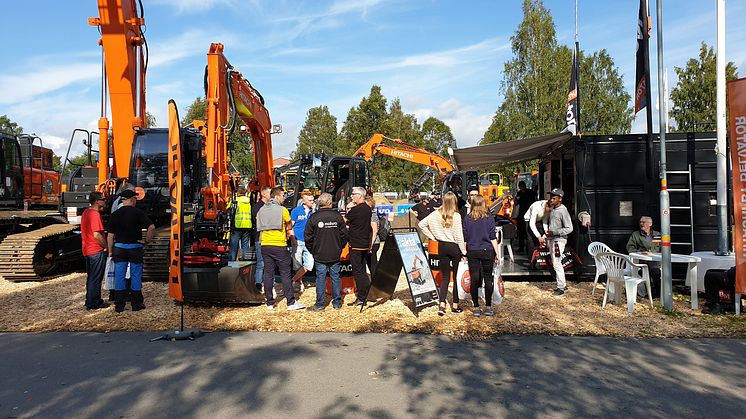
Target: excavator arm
(123, 47)
(379, 144)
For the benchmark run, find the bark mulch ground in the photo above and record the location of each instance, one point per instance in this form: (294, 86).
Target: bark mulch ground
(529, 308)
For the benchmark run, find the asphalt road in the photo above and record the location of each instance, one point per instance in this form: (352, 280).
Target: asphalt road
(235, 375)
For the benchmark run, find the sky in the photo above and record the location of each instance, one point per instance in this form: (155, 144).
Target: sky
(440, 58)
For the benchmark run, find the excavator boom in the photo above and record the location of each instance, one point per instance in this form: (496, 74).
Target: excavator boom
(404, 151)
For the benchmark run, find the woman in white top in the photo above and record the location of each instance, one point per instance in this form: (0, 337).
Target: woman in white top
(444, 226)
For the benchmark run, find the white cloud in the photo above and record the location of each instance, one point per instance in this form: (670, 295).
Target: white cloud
(467, 123)
(24, 86)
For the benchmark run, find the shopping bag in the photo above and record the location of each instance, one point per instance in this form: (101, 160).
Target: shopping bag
(463, 280)
(498, 293)
(541, 259)
(109, 274)
(570, 258)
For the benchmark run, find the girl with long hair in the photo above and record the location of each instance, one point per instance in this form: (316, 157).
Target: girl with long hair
(444, 226)
(481, 252)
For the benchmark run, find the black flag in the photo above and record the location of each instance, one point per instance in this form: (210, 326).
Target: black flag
(643, 35)
(572, 98)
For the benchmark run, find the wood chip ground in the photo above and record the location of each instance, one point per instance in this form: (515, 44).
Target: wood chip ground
(529, 308)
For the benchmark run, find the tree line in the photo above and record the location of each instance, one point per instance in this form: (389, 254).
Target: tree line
(533, 88)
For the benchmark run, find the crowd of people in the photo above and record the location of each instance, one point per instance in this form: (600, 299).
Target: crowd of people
(314, 234)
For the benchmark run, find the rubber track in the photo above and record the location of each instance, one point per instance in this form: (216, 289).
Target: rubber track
(17, 251)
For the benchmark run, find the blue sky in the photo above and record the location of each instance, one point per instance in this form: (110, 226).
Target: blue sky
(440, 58)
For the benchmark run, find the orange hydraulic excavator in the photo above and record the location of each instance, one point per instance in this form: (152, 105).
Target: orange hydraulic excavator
(202, 183)
(450, 178)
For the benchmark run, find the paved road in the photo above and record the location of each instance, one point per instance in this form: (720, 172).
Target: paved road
(234, 375)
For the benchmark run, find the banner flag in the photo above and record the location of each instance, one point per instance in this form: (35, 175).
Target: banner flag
(737, 109)
(572, 98)
(643, 36)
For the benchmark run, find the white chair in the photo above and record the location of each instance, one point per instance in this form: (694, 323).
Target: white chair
(503, 242)
(593, 249)
(615, 264)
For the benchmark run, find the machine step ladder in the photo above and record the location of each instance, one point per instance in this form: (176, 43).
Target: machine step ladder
(685, 213)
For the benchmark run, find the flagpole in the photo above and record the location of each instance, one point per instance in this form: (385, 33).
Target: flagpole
(649, 155)
(666, 284)
(577, 76)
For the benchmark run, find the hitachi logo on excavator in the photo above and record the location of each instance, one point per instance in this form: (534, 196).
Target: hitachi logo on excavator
(402, 154)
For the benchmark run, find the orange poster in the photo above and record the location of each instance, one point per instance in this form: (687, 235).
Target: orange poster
(737, 108)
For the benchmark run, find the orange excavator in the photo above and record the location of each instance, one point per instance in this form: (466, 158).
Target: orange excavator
(449, 177)
(201, 184)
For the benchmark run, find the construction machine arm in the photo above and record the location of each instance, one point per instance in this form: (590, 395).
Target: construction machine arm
(123, 47)
(379, 144)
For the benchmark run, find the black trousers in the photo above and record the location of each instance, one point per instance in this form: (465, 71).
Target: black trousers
(277, 256)
(532, 242)
(522, 233)
(358, 260)
(449, 256)
(372, 259)
(481, 263)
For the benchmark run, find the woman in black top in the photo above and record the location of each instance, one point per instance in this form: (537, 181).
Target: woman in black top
(481, 251)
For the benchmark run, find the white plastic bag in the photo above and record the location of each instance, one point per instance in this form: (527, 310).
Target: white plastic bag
(109, 274)
(498, 293)
(463, 280)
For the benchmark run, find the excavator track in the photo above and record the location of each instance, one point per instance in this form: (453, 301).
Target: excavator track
(36, 254)
(155, 259)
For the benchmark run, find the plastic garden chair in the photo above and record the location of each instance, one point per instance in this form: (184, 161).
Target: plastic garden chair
(593, 249)
(615, 264)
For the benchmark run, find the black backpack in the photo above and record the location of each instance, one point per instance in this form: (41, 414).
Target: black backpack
(384, 227)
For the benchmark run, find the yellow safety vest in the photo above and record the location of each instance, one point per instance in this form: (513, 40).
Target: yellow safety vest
(243, 212)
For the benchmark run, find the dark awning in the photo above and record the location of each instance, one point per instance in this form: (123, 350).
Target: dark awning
(488, 155)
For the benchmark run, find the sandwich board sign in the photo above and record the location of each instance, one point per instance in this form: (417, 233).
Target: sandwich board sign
(404, 251)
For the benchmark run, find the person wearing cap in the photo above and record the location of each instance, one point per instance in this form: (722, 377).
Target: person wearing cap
(421, 209)
(560, 225)
(126, 245)
(435, 201)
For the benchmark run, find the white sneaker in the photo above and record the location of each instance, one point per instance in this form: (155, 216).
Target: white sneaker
(270, 308)
(296, 306)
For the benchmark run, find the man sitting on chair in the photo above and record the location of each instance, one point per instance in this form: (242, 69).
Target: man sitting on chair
(647, 240)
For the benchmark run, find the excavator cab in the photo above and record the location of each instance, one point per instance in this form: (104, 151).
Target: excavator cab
(335, 175)
(149, 173)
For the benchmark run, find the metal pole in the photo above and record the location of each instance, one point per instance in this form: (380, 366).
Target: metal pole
(666, 285)
(649, 151)
(722, 163)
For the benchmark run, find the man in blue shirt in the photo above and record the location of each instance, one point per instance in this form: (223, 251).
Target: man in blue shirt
(302, 258)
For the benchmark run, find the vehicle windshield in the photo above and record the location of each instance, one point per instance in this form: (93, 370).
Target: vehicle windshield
(149, 163)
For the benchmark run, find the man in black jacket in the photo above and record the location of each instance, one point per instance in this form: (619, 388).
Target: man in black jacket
(361, 241)
(326, 236)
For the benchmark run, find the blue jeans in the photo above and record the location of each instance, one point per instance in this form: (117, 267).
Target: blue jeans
(242, 236)
(321, 272)
(95, 265)
(123, 255)
(259, 272)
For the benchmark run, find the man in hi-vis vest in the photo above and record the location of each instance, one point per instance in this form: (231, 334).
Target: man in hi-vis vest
(241, 230)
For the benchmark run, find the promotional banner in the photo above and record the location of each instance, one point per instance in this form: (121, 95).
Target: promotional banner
(416, 269)
(643, 35)
(404, 250)
(572, 98)
(737, 108)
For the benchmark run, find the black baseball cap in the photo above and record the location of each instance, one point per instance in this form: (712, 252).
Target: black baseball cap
(127, 194)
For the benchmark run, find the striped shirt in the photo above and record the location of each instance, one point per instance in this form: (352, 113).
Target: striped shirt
(432, 227)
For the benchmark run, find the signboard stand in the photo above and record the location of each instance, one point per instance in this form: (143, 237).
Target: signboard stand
(404, 250)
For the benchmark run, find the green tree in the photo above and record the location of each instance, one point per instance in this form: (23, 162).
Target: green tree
(196, 111)
(694, 97)
(604, 102)
(536, 80)
(437, 136)
(9, 127)
(74, 163)
(150, 121)
(319, 134)
(363, 121)
(389, 173)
